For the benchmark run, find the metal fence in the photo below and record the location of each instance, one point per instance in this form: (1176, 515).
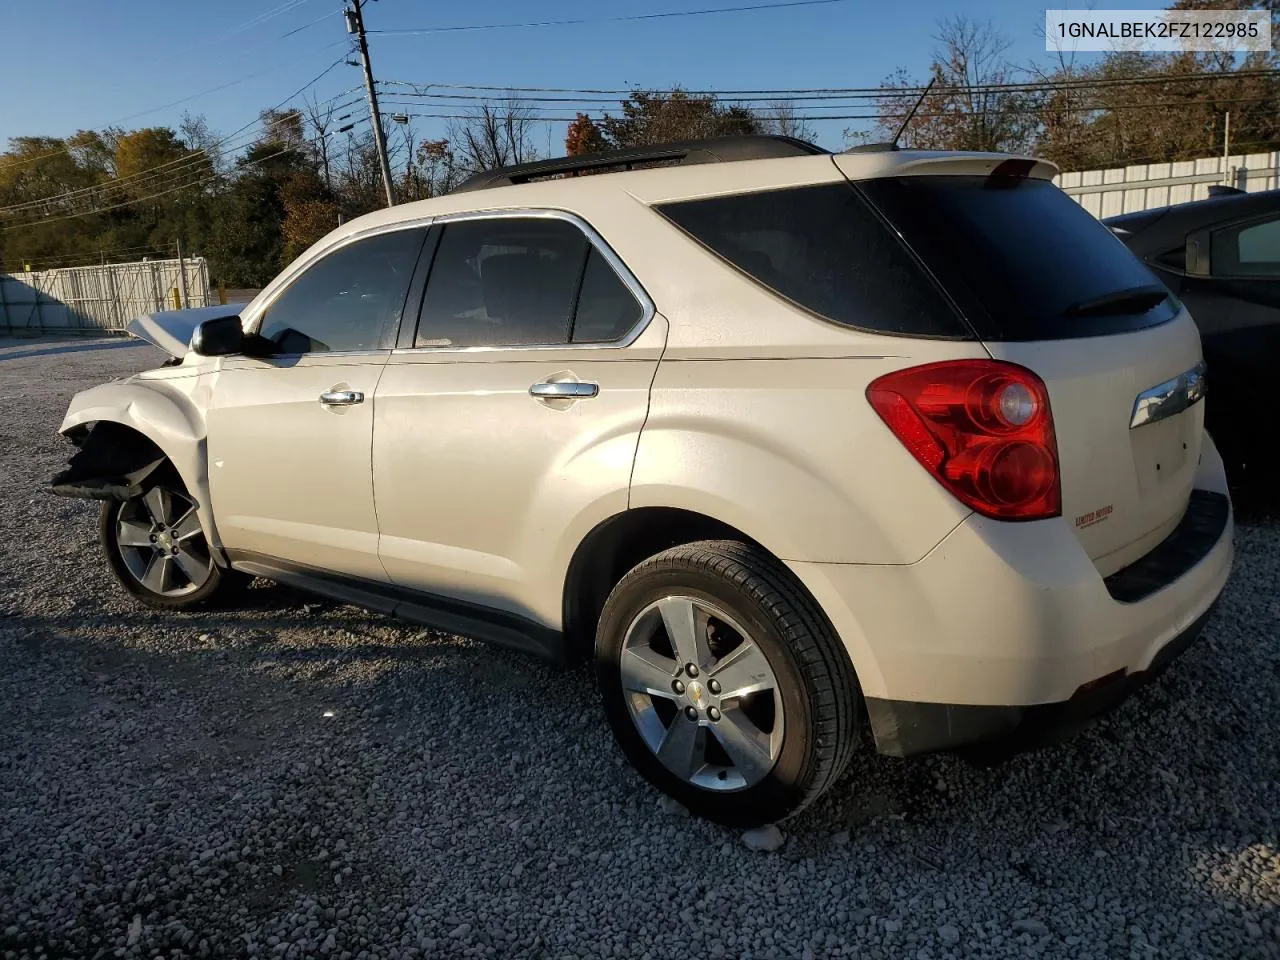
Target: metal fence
(98, 298)
(1105, 193)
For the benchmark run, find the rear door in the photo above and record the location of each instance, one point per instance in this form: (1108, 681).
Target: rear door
(1045, 285)
(506, 426)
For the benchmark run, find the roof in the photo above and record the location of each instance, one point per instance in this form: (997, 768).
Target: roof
(679, 153)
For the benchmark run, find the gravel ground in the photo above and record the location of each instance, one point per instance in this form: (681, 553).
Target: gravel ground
(301, 778)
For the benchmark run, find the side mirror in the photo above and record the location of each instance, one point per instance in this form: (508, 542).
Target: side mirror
(218, 337)
(1198, 254)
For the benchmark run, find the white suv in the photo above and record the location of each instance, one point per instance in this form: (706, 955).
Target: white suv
(795, 445)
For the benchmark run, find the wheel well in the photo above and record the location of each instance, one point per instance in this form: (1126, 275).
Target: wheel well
(614, 547)
(111, 462)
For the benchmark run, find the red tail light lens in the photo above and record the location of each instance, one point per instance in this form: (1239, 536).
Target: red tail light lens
(983, 428)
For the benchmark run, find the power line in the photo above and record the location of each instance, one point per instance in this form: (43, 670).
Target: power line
(190, 183)
(873, 92)
(132, 116)
(584, 20)
(189, 160)
(126, 203)
(816, 100)
(254, 21)
(601, 115)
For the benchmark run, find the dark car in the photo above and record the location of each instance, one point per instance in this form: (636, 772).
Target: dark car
(1221, 257)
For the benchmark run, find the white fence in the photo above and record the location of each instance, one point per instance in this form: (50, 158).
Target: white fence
(1105, 193)
(98, 298)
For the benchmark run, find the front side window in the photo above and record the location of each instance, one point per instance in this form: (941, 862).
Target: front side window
(1249, 251)
(348, 300)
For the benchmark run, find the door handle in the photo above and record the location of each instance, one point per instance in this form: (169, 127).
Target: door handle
(564, 390)
(341, 398)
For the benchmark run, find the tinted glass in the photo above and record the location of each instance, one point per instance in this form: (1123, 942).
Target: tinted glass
(826, 250)
(502, 282)
(349, 300)
(607, 310)
(1252, 251)
(1174, 259)
(1018, 255)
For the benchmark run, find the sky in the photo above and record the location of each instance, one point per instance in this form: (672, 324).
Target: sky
(76, 64)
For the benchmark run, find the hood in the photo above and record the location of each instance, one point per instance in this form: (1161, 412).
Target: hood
(171, 330)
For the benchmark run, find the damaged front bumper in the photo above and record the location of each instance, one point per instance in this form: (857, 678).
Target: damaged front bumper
(112, 463)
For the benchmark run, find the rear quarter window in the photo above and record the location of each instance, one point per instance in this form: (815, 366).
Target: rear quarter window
(825, 249)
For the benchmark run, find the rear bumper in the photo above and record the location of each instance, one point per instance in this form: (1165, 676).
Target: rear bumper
(903, 728)
(1008, 632)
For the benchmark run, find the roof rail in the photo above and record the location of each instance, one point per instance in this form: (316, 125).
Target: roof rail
(685, 152)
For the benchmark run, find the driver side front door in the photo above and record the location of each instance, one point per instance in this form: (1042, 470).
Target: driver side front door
(290, 471)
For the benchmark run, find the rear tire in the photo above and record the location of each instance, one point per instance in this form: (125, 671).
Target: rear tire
(156, 548)
(771, 713)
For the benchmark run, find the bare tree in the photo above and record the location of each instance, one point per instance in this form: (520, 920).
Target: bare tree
(494, 135)
(408, 143)
(965, 110)
(781, 119)
(195, 134)
(320, 118)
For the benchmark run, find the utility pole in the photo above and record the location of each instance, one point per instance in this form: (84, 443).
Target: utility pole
(1226, 147)
(182, 272)
(355, 24)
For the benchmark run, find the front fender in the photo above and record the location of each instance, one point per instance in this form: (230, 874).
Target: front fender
(169, 413)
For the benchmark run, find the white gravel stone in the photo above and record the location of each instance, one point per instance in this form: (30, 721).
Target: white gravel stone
(767, 838)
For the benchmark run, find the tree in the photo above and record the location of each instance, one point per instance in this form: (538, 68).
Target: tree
(583, 136)
(783, 121)
(494, 135)
(141, 151)
(659, 116)
(961, 112)
(437, 168)
(196, 135)
(321, 120)
(284, 128)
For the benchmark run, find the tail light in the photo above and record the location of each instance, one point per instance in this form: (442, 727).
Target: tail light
(983, 428)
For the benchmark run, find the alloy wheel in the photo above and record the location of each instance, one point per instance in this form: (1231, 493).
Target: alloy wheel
(162, 544)
(702, 694)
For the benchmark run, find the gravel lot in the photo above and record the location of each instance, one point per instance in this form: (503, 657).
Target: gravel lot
(301, 778)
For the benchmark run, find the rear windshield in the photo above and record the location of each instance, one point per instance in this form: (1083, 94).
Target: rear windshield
(1022, 259)
(825, 249)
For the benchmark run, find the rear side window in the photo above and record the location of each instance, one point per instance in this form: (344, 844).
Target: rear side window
(825, 249)
(522, 281)
(350, 299)
(1249, 251)
(1022, 259)
(502, 282)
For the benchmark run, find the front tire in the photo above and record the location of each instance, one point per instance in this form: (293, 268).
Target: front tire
(725, 685)
(157, 549)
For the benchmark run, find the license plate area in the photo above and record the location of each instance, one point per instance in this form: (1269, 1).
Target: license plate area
(1165, 452)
